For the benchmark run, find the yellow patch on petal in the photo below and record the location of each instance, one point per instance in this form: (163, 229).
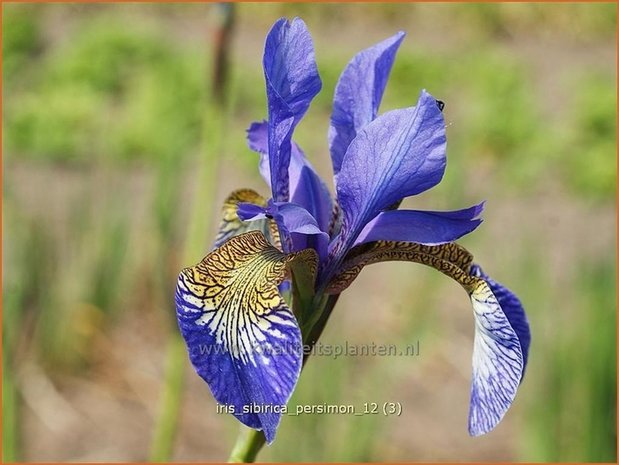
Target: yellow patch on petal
(235, 289)
(231, 225)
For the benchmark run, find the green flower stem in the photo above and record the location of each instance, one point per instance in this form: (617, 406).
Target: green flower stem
(247, 446)
(323, 314)
(167, 419)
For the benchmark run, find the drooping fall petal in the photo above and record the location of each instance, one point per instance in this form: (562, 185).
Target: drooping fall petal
(498, 355)
(498, 362)
(513, 309)
(242, 338)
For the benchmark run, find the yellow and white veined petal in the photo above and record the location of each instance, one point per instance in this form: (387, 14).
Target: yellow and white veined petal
(243, 339)
(231, 225)
(498, 356)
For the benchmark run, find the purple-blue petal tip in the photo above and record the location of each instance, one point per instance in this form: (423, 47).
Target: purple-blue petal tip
(502, 339)
(358, 94)
(292, 81)
(249, 211)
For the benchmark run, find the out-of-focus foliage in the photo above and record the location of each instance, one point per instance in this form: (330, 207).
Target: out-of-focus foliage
(144, 94)
(590, 137)
(127, 83)
(21, 42)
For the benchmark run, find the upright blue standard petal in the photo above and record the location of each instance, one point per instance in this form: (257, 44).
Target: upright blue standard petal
(292, 81)
(307, 189)
(401, 153)
(358, 94)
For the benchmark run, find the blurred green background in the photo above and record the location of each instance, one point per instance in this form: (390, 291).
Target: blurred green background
(116, 159)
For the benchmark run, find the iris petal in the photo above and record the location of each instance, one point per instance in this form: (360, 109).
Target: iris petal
(358, 94)
(251, 211)
(498, 362)
(231, 225)
(451, 259)
(498, 355)
(513, 309)
(298, 228)
(307, 189)
(242, 338)
(401, 153)
(292, 81)
(423, 227)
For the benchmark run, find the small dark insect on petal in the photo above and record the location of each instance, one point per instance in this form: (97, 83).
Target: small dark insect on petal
(440, 104)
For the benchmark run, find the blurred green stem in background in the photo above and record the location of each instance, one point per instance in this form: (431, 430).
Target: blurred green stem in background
(167, 421)
(215, 123)
(12, 304)
(195, 246)
(9, 413)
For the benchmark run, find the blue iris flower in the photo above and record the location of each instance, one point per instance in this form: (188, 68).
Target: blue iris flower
(231, 307)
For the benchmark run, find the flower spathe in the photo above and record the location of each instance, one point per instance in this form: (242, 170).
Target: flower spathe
(244, 338)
